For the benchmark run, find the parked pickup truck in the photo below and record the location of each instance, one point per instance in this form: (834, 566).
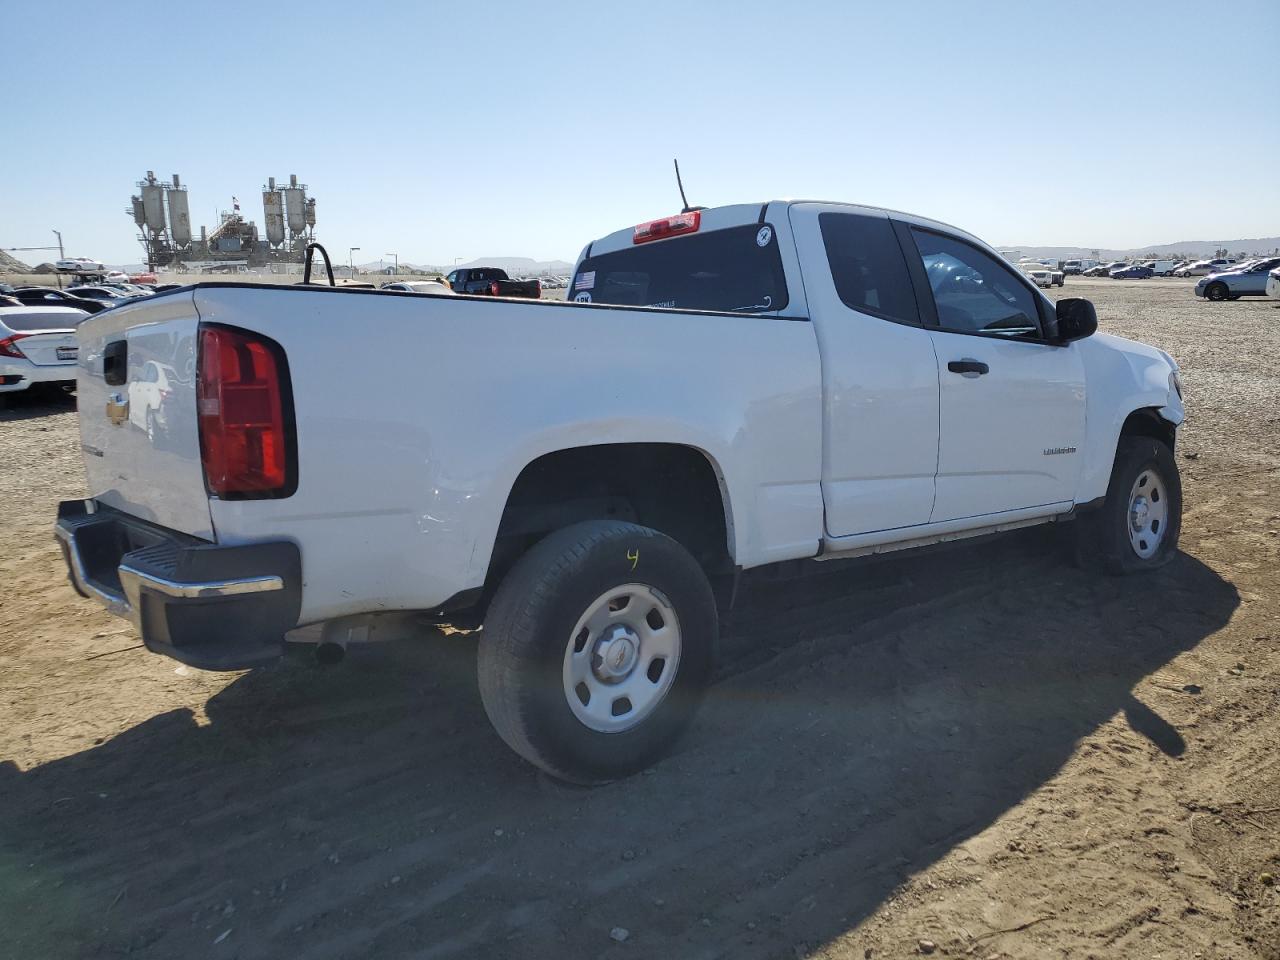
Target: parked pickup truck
(491, 282)
(726, 389)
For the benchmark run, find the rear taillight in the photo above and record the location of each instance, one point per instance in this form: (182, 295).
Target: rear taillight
(667, 227)
(243, 403)
(494, 288)
(9, 346)
(537, 288)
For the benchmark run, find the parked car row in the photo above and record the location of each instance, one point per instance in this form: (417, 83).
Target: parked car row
(1249, 279)
(1202, 268)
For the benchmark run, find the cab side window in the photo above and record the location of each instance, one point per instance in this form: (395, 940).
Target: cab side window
(974, 293)
(868, 267)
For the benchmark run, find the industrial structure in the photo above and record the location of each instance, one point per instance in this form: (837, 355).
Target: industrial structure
(289, 215)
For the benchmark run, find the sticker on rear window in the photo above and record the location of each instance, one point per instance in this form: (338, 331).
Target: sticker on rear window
(585, 281)
(582, 297)
(763, 236)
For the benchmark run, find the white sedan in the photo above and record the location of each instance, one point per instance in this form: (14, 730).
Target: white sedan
(419, 286)
(79, 265)
(1200, 268)
(1273, 284)
(37, 345)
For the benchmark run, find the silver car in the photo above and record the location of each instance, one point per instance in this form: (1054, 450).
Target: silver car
(1248, 280)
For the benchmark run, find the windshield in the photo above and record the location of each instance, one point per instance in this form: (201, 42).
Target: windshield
(736, 270)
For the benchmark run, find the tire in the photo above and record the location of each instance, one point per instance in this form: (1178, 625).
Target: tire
(1216, 291)
(1110, 537)
(536, 636)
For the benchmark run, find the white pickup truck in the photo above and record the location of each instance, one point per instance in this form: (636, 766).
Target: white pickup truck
(725, 389)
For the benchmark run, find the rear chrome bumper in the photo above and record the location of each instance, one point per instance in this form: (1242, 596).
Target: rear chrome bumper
(210, 606)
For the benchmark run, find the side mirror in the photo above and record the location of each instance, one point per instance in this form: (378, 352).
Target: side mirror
(1076, 319)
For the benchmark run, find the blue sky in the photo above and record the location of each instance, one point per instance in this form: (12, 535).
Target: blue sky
(459, 130)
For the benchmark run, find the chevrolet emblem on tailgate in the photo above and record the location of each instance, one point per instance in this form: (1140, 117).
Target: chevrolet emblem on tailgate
(117, 408)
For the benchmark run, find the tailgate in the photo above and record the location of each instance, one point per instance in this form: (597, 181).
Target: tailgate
(139, 435)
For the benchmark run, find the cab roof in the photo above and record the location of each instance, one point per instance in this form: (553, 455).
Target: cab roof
(738, 214)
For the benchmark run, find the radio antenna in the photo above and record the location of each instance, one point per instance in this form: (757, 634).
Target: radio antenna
(680, 184)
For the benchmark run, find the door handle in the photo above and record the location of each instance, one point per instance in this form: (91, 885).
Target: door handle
(968, 367)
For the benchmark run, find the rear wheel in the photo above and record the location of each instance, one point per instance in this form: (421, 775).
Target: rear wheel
(596, 650)
(1216, 291)
(1138, 525)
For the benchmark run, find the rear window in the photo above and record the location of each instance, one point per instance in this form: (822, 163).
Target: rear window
(868, 267)
(35, 322)
(736, 270)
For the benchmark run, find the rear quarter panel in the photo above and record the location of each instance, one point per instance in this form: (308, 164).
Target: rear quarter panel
(415, 415)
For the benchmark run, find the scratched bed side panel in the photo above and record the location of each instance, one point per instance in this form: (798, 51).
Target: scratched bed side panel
(408, 450)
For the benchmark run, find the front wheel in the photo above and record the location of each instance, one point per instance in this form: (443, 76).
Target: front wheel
(1138, 525)
(1216, 291)
(596, 650)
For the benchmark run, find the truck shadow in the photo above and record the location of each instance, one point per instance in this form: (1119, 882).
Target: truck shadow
(868, 721)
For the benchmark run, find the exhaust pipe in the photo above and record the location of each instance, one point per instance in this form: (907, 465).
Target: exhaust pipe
(330, 654)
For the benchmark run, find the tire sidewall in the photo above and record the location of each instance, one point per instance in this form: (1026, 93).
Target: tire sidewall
(661, 564)
(1136, 455)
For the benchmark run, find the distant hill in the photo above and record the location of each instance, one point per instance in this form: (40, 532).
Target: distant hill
(10, 264)
(1190, 248)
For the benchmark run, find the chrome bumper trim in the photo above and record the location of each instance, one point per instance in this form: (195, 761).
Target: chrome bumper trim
(134, 581)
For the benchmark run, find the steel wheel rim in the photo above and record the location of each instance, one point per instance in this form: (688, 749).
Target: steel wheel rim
(1148, 513)
(621, 658)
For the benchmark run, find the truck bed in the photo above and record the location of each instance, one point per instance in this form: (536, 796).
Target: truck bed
(415, 414)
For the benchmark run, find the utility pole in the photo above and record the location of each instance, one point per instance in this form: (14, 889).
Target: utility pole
(350, 263)
(397, 259)
(61, 256)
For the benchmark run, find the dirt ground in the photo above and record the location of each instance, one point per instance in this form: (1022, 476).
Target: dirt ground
(976, 752)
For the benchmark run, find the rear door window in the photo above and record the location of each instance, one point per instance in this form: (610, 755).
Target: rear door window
(735, 270)
(868, 267)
